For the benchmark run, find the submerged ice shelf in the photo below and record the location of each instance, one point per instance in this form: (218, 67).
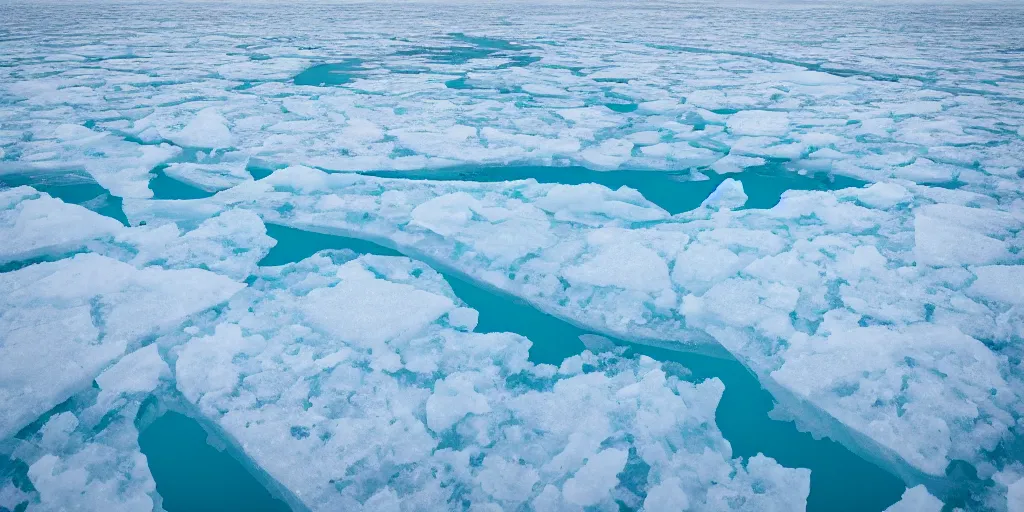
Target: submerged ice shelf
(608, 211)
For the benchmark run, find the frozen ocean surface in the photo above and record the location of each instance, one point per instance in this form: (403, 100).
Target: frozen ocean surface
(518, 255)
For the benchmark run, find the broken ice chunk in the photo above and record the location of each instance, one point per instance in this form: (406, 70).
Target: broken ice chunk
(211, 177)
(916, 499)
(463, 318)
(360, 413)
(118, 165)
(758, 122)
(942, 241)
(453, 398)
(62, 322)
(728, 195)
(230, 244)
(609, 154)
(1002, 283)
(33, 224)
(873, 371)
(89, 458)
(387, 310)
(735, 163)
(208, 129)
(622, 265)
(597, 344)
(595, 480)
(37, 225)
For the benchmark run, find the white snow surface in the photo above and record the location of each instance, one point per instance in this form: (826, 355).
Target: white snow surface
(89, 458)
(391, 403)
(63, 322)
(889, 317)
(824, 296)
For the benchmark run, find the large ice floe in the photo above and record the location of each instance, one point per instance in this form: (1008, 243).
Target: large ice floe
(88, 457)
(834, 299)
(359, 384)
(352, 382)
(835, 203)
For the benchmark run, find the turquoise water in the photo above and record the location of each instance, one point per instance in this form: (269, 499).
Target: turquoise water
(840, 480)
(72, 188)
(672, 190)
(166, 187)
(16, 472)
(622, 108)
(258, 170)
(192, 476)
(337, 73)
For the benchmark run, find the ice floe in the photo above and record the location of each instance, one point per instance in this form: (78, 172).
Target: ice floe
(887, 317)
(395, 403)
(64, 321)
(825, 296)
(89, 458)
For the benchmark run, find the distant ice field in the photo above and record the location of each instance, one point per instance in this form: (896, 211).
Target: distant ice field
(534, 256)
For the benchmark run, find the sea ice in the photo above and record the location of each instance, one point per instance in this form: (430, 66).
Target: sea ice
(35, 224)
(208, 129)
(63, 322)
(89, 458)
(121, 166)
(229, 171)
(916, 499)
(905, 287)
(758, 122)
(788, 291)
(729, 194)
(230, 244)
(538, 97)
(39, 226)
(393, 405)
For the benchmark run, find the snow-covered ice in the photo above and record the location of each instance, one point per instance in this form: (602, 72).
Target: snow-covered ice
(887, 317)
(916, 499)
(937, 106)
(35, 225)
(90, 459)
(38, 226)
(393, 403)
(824, 296)
(63, 322)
